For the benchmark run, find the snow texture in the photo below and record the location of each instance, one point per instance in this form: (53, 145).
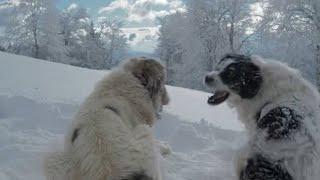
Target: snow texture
(38, 100)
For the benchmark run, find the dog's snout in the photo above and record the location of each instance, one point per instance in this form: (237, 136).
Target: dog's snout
(209, 79)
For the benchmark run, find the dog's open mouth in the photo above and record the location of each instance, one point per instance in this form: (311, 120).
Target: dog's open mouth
(218, 97)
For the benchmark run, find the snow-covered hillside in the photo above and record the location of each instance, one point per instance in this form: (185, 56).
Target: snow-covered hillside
(38, 99)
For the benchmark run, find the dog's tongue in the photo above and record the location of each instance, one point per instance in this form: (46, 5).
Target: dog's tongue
(218, 97)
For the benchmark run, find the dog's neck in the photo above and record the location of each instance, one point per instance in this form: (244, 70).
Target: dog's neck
(127, 89)
(142, 105)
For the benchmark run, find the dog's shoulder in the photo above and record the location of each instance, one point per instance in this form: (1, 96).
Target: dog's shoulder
(280, 122)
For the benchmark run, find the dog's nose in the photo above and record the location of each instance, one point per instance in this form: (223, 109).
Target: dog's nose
(208, 79)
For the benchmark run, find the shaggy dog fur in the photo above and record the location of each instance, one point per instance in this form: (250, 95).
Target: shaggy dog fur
(280, 111)
(110, 137)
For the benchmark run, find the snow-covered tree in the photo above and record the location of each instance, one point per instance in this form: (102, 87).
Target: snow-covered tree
(74, 27)
(74, 23)
(115, 42)
(94, 49)
(18, 32)
(169, 48)
(180, 49)
(32, 30)
(291, 33)
(52, 47)
(191, 43)
(302, 17)
(208, 17)
(89, 45)
(81, 38)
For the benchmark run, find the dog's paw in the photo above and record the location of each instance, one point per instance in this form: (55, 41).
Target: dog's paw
(260, 168)
(164, 148)
(280, 122)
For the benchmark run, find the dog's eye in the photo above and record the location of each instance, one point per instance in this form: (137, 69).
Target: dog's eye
(231, 72)
(231, 69)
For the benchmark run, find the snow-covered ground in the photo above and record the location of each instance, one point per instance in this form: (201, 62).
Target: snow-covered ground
(38, 99)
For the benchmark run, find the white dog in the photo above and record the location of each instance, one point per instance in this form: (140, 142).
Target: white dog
(111, 137)
(280, 111)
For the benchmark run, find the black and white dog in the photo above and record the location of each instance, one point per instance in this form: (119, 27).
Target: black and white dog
(280, 111)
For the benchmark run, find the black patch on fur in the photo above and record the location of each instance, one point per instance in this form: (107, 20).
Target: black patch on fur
(138, 176)
(112, 109)
(236, 57)
(75, 134)
(261, 168)
(243, 77)
(280, 122)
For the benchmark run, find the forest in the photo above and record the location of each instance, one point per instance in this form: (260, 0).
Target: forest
(190, 41)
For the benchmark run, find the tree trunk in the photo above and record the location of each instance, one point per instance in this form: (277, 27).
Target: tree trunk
(167, 65)
(110, 52)
(36, 45)
(232, 33)
(318, 66)
(231, 36)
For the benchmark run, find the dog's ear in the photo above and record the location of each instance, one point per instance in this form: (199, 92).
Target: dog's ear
(150, 82)
(150, 73)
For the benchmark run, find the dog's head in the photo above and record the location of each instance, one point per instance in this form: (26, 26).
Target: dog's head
(151, 75)
(234, 75)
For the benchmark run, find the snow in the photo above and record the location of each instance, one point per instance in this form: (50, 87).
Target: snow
(39, 98)
(191, 105)
(45, 81)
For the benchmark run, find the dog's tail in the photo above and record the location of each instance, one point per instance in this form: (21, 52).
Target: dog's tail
(58, 166)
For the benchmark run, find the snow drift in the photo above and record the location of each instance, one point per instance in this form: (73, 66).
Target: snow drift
(38, 99)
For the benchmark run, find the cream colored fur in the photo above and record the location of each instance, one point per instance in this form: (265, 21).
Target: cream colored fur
(115, 138)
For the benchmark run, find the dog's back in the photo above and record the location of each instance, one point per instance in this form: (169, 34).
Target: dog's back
(58, 166)
(110, 137)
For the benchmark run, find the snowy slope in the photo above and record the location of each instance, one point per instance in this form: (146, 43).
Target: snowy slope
(51, 82)
(39, 98)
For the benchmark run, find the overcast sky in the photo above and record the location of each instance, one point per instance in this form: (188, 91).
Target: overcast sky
(138, 16)
(134, 13)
